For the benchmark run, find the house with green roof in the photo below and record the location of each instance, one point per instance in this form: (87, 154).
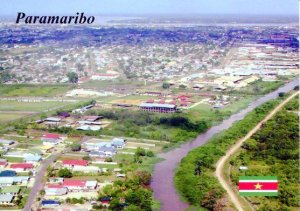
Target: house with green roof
(12, 190)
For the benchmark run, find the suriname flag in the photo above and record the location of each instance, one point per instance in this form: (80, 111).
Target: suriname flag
(258, 186)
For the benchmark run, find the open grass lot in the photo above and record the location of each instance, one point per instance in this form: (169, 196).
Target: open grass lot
(131, 99)
(105, 84)
(206, 112)
(6, 117)
(8, 105)
(261, 87)
(30, 90)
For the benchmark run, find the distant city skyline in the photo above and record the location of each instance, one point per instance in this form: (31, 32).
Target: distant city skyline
(151, 7)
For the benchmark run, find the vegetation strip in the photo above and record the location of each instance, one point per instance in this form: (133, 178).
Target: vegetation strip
(194, 177)
(273, 150)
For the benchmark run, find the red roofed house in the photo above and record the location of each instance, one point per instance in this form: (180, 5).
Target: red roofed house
(21, 167)
(150, 101)
(79, 185)
(72, 163)
(3, 163)
(173, 102)
(51, 135)
(51, 139)
(183, 104)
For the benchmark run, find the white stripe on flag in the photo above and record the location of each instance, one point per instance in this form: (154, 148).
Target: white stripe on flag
(258, 191)
(258, 181)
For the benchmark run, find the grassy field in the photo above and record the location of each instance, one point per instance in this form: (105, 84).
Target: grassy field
(6, 117)
(112, 84)
(13, 110)
(30, 90)
(261, 87)
(30, 106)
(206, 112)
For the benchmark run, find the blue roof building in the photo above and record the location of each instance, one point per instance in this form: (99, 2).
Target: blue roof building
(50, 203)
(8, 173)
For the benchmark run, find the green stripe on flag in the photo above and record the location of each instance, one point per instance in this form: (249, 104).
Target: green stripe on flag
(258, 193)
(257, 178)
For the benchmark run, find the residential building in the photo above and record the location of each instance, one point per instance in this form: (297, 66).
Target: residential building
(55, 190)
(74, 163)
(8, 173)
(51, 139)
(108, 151)
(3, 163)
(79, 185)
(21, 167)
(6, 199)
(50, 203)
(6, 181)
(119, 143)
(5, 142)
(158, 107)
(87, 169)
(32, 159)
(10, 190)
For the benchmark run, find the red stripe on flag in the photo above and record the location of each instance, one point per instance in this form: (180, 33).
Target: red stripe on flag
(252, 185)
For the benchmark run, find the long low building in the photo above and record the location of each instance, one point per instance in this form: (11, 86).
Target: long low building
(158, 107)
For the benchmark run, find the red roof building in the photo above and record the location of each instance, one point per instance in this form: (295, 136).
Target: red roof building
(72, 163)
(173, 102)
(23, 166)
(3, 163)
(184, 104)
(51, 135)
(150, 101)
(71, 183)
(55, 186)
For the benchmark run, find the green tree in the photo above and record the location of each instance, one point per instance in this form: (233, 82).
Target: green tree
(165, 85)
(75, 147)
(73, 77)
(281, 94)
(65, 173)
(140, 151)
(210, 199)
(86, 157)
(144, 177)
(140, 197)
(149, 153)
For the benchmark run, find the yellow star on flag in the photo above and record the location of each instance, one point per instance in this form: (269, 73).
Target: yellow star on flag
(258, 186)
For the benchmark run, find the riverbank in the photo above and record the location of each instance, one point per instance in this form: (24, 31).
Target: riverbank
(162, 182)
(270, 150)
(219, 173)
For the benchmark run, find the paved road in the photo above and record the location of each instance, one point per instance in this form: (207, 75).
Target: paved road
(38, 182)
(220, 164)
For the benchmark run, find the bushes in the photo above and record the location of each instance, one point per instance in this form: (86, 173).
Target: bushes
(169, 127)
(65, 173)
(75, 147)
(194, 187)
(76, 200)
(276, 147)
(184, 123)
(129, 194)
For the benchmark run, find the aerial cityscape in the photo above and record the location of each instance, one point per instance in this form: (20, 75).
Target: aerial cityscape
(165, 106)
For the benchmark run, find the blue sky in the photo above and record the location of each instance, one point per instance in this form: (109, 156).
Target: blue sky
(140, 7)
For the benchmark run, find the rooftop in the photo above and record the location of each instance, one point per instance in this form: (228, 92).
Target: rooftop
(75, 162)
